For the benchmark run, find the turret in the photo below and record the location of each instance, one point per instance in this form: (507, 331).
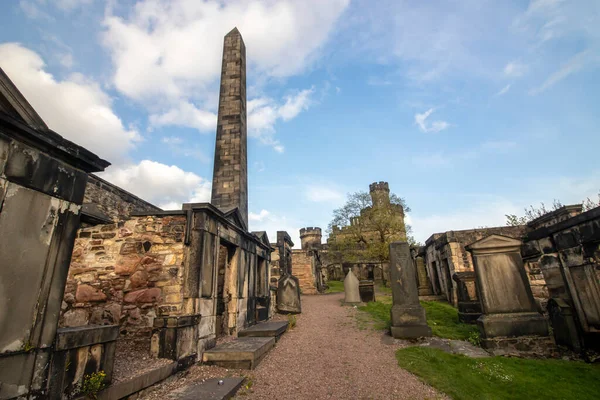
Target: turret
(310, 237)
(380, 194)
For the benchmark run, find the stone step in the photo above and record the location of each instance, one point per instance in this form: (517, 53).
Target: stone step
(265, 329)
(209, 390)
(243, 353)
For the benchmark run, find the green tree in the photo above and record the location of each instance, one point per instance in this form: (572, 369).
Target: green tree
(532, 212)
(367, 230)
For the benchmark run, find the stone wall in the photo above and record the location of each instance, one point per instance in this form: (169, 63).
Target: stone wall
(126, 274)
(304, 269)
(112, 201)
(445, 254)
(567, 257)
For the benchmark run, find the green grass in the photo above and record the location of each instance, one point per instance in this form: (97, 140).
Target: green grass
(441, 317)
(466, 378)
(335, 287)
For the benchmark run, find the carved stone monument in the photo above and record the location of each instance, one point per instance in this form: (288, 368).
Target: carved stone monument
(408, 317)
(351, 288)
(509, 310)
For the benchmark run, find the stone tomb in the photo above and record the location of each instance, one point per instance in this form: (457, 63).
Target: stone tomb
(510, 321)
(367, 291)
(408, 317)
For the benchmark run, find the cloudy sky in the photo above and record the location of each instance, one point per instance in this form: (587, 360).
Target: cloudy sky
(470, 109)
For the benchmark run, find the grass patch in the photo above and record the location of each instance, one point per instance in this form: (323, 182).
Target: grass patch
(442, 318)
(380, 312)
(335, 287)
(466, 378)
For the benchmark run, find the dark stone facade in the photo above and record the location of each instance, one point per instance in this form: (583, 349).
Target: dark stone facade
(42, 182)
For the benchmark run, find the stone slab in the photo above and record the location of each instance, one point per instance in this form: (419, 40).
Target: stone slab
(134, 385)
(266, 329)
(210, 390)
(244, 353)
(512, 325)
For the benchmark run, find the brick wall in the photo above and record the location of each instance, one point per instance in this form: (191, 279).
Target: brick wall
(303, 269)
(126, 274)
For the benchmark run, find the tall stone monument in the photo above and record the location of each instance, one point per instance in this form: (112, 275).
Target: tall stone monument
(509, 310)
(408, 317)
(230, 174)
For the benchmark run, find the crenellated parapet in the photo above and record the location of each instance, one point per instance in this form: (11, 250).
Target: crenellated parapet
(310, 237)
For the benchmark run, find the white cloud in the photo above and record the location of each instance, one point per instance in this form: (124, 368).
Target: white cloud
(323, 194)
(69, 5)
(186, 114)
(76, 108)
(515, 69)
(504, 90)
(258, 217)
(177, 44)
(433, 126)
(576, 63)
(167, 186)
(264, 112)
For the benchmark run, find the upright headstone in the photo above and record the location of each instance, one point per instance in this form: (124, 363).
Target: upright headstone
(408, 317)
(351, 288)
(509, 310)
(230, 174)
(288, 286)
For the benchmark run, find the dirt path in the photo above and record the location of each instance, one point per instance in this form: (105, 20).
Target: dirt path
(328, 357)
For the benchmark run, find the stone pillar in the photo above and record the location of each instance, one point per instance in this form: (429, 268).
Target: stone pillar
(351, 288)
(509, 310)
(408, 317)
(230, 174)
(42, 183)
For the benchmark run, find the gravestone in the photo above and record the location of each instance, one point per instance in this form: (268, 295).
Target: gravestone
(469, 309)
(351, 289)
(367, 291)
(408, 317)
(509, 310)
(288, 286)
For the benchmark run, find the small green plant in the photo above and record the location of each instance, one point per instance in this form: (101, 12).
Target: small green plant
(27, 347)
(291, 321)
(93, 383)
(474, 339)
(67, 365)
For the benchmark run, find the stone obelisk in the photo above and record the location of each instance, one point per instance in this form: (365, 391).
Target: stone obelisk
(230, 174)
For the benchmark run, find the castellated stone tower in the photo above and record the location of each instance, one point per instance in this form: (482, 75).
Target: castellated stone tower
(230, 174)
(380, 194)
(310, 237)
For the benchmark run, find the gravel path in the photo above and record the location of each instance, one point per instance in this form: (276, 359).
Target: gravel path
(328, 357)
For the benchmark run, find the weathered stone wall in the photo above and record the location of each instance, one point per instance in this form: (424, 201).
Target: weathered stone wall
(126, 274)
(304, 269)
(112, 201)
(445, 254)
(566, 256)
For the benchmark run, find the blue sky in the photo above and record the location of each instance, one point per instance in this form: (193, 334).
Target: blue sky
(470, 109)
